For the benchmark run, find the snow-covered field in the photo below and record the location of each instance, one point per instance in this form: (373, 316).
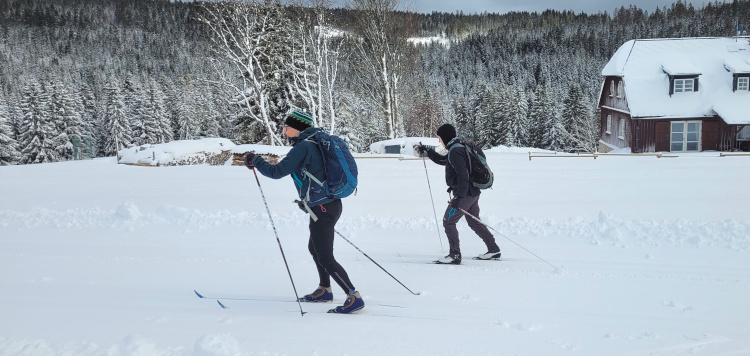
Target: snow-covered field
(652, 254)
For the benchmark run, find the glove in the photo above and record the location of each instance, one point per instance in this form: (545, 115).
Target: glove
(422, 149)
(301, 205)
(249, 157)
(450, 189)
(455, 202)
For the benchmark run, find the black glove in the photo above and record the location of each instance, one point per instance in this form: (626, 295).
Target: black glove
(249, 157)
(450, 189)
(301, 205)
(421, 149)
(455, 202)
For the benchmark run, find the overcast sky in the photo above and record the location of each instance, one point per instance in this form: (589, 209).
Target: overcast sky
(503, 6)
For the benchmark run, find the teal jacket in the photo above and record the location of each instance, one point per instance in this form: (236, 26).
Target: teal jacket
(304, 157)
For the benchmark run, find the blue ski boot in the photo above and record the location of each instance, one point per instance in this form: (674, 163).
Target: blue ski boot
(353, 303)
(322, 294)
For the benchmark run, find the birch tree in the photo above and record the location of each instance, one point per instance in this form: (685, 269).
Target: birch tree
(251, 41)
(315, 67)
(383, 57)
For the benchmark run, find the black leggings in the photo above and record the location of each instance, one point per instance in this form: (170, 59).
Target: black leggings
(321, 245)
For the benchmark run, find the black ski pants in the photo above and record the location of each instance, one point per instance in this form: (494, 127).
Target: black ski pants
(321, 245)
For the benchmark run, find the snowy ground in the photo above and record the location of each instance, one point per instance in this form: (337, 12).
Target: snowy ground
(652, 256)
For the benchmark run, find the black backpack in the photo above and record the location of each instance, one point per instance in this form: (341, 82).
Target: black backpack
(480, 174)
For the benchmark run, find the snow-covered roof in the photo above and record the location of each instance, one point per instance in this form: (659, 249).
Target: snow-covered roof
(737, 65)
(406, 144)
(646, 65)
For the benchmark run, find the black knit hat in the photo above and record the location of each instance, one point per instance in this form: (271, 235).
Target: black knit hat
(446, 132)
(298, 120)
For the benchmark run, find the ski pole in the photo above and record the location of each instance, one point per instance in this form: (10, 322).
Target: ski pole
(498, 232)
(279, 241)
(373, 261)
(434, 213)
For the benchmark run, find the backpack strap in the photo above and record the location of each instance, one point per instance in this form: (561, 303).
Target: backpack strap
(468, 156)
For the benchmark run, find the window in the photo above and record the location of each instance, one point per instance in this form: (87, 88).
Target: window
(743, 83)
(744, 134)
(609, 124)
(612, 88)
(621, 129)
(684, 85)
(685, 136)
(620, 90)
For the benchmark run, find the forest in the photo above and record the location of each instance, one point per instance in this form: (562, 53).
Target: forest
(84, 78)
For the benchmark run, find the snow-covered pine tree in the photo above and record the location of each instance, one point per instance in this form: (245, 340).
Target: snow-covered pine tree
(67, 118)
(157, 104)
(188, 123)
(37, 133)
(494, 126)
(557, 137)
(8, 145)
(151, 124)
(577, 119)
(538, 113)
(207, 114)
(89, 109)
(117, 132)
(516, 117)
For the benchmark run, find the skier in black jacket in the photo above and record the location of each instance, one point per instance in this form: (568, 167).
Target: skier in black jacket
(465, 195)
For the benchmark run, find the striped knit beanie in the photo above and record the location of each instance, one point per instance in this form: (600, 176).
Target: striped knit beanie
(298, 120)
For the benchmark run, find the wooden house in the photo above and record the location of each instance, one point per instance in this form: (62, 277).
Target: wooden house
(677, 95)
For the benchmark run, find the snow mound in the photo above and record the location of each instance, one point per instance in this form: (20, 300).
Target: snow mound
(214, 151)
(217, 345)
(128, 210)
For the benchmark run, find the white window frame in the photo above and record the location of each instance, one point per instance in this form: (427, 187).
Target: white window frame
(609, 124)
(620, 90)
(621, 129)
(743, 83)
(683, 86)
(685, 133)
(612, 88)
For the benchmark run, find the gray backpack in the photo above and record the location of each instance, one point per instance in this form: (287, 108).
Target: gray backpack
(480, 174)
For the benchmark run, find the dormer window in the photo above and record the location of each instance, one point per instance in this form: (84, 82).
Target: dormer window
(683, 75)
(742, 82)
(683, 84)
(612, 88)
(620, 90)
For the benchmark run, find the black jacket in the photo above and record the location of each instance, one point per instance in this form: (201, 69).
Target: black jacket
(456, 169)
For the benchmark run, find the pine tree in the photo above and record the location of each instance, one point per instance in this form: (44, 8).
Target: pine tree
(90, 115)
(516, 115)
(8, 145)
(37, 134)
(117, 133)
(577, 119)
(537, 114)
(188, 123)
